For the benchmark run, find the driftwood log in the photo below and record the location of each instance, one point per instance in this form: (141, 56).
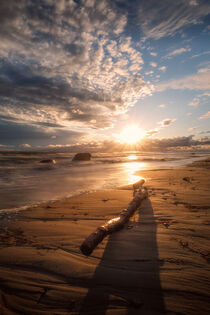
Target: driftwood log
(115, 224)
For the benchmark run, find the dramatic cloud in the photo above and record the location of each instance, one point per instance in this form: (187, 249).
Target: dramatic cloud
(71, 67)
(62, 62)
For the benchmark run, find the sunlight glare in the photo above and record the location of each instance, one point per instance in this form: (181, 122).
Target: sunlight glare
(131, 169)
(131, 134)
(132, 157)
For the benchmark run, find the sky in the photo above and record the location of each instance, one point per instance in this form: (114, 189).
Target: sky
(79, 75)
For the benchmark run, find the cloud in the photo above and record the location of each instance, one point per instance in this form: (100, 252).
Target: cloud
(176, 143)
(166, 122)
(204, 94)
(192, 128)
(162, 106)
(169, 17)
(195, 102)
(3, 146)
(7, 147)
(152, 132)
(75, 65)
(201, 54)
(153, 64)
(185, 143)
(162, 124)
(204, 132)
(201, 98)
(149, 72)
(25, 145)
(177, 52)
(193, 2)
(12, 133)
(197, 81)
(63, 63)
(163, 68)
(205, 116)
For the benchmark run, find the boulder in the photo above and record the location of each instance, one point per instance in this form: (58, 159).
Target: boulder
(82, 157)
(49, 161)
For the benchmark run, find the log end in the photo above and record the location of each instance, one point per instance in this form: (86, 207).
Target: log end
(92, 241)
(85, 249)
(138, 184)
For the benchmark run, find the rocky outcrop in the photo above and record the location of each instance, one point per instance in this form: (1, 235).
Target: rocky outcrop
(82, 157)
(49, 161)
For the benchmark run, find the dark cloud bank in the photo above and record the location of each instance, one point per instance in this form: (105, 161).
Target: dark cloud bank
(178, 144)
(149, 145)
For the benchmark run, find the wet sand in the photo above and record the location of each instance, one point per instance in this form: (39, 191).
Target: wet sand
(158, 264)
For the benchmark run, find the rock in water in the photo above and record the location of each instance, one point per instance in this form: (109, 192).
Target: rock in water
(48, 161)
(82, 157)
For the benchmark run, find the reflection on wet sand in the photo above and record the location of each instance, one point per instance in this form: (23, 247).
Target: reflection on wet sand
(131, 169)
(132, 157)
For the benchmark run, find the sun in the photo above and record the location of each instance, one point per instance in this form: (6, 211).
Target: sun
(131, 134)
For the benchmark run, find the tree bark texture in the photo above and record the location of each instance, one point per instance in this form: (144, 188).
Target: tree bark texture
(115, 224)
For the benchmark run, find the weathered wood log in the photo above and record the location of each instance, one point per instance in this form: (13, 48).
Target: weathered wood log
(115, 224)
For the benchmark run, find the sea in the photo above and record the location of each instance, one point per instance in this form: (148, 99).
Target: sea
(25, 181)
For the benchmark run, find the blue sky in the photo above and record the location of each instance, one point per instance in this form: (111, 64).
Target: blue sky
(74, 74)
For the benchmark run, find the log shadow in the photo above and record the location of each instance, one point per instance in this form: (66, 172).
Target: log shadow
(127, 276)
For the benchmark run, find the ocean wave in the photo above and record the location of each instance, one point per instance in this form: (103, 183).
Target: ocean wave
(127, 160)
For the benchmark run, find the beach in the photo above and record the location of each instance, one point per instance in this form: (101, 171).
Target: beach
(104, 157)
(157, 264)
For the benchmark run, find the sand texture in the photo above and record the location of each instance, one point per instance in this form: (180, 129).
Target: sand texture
(202, 163)
(158, 264)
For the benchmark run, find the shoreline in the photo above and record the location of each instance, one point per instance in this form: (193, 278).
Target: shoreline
(197, 164)
(159, 256)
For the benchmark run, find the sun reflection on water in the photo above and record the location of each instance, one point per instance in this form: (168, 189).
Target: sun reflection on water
(132, 157)
(131, 168)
